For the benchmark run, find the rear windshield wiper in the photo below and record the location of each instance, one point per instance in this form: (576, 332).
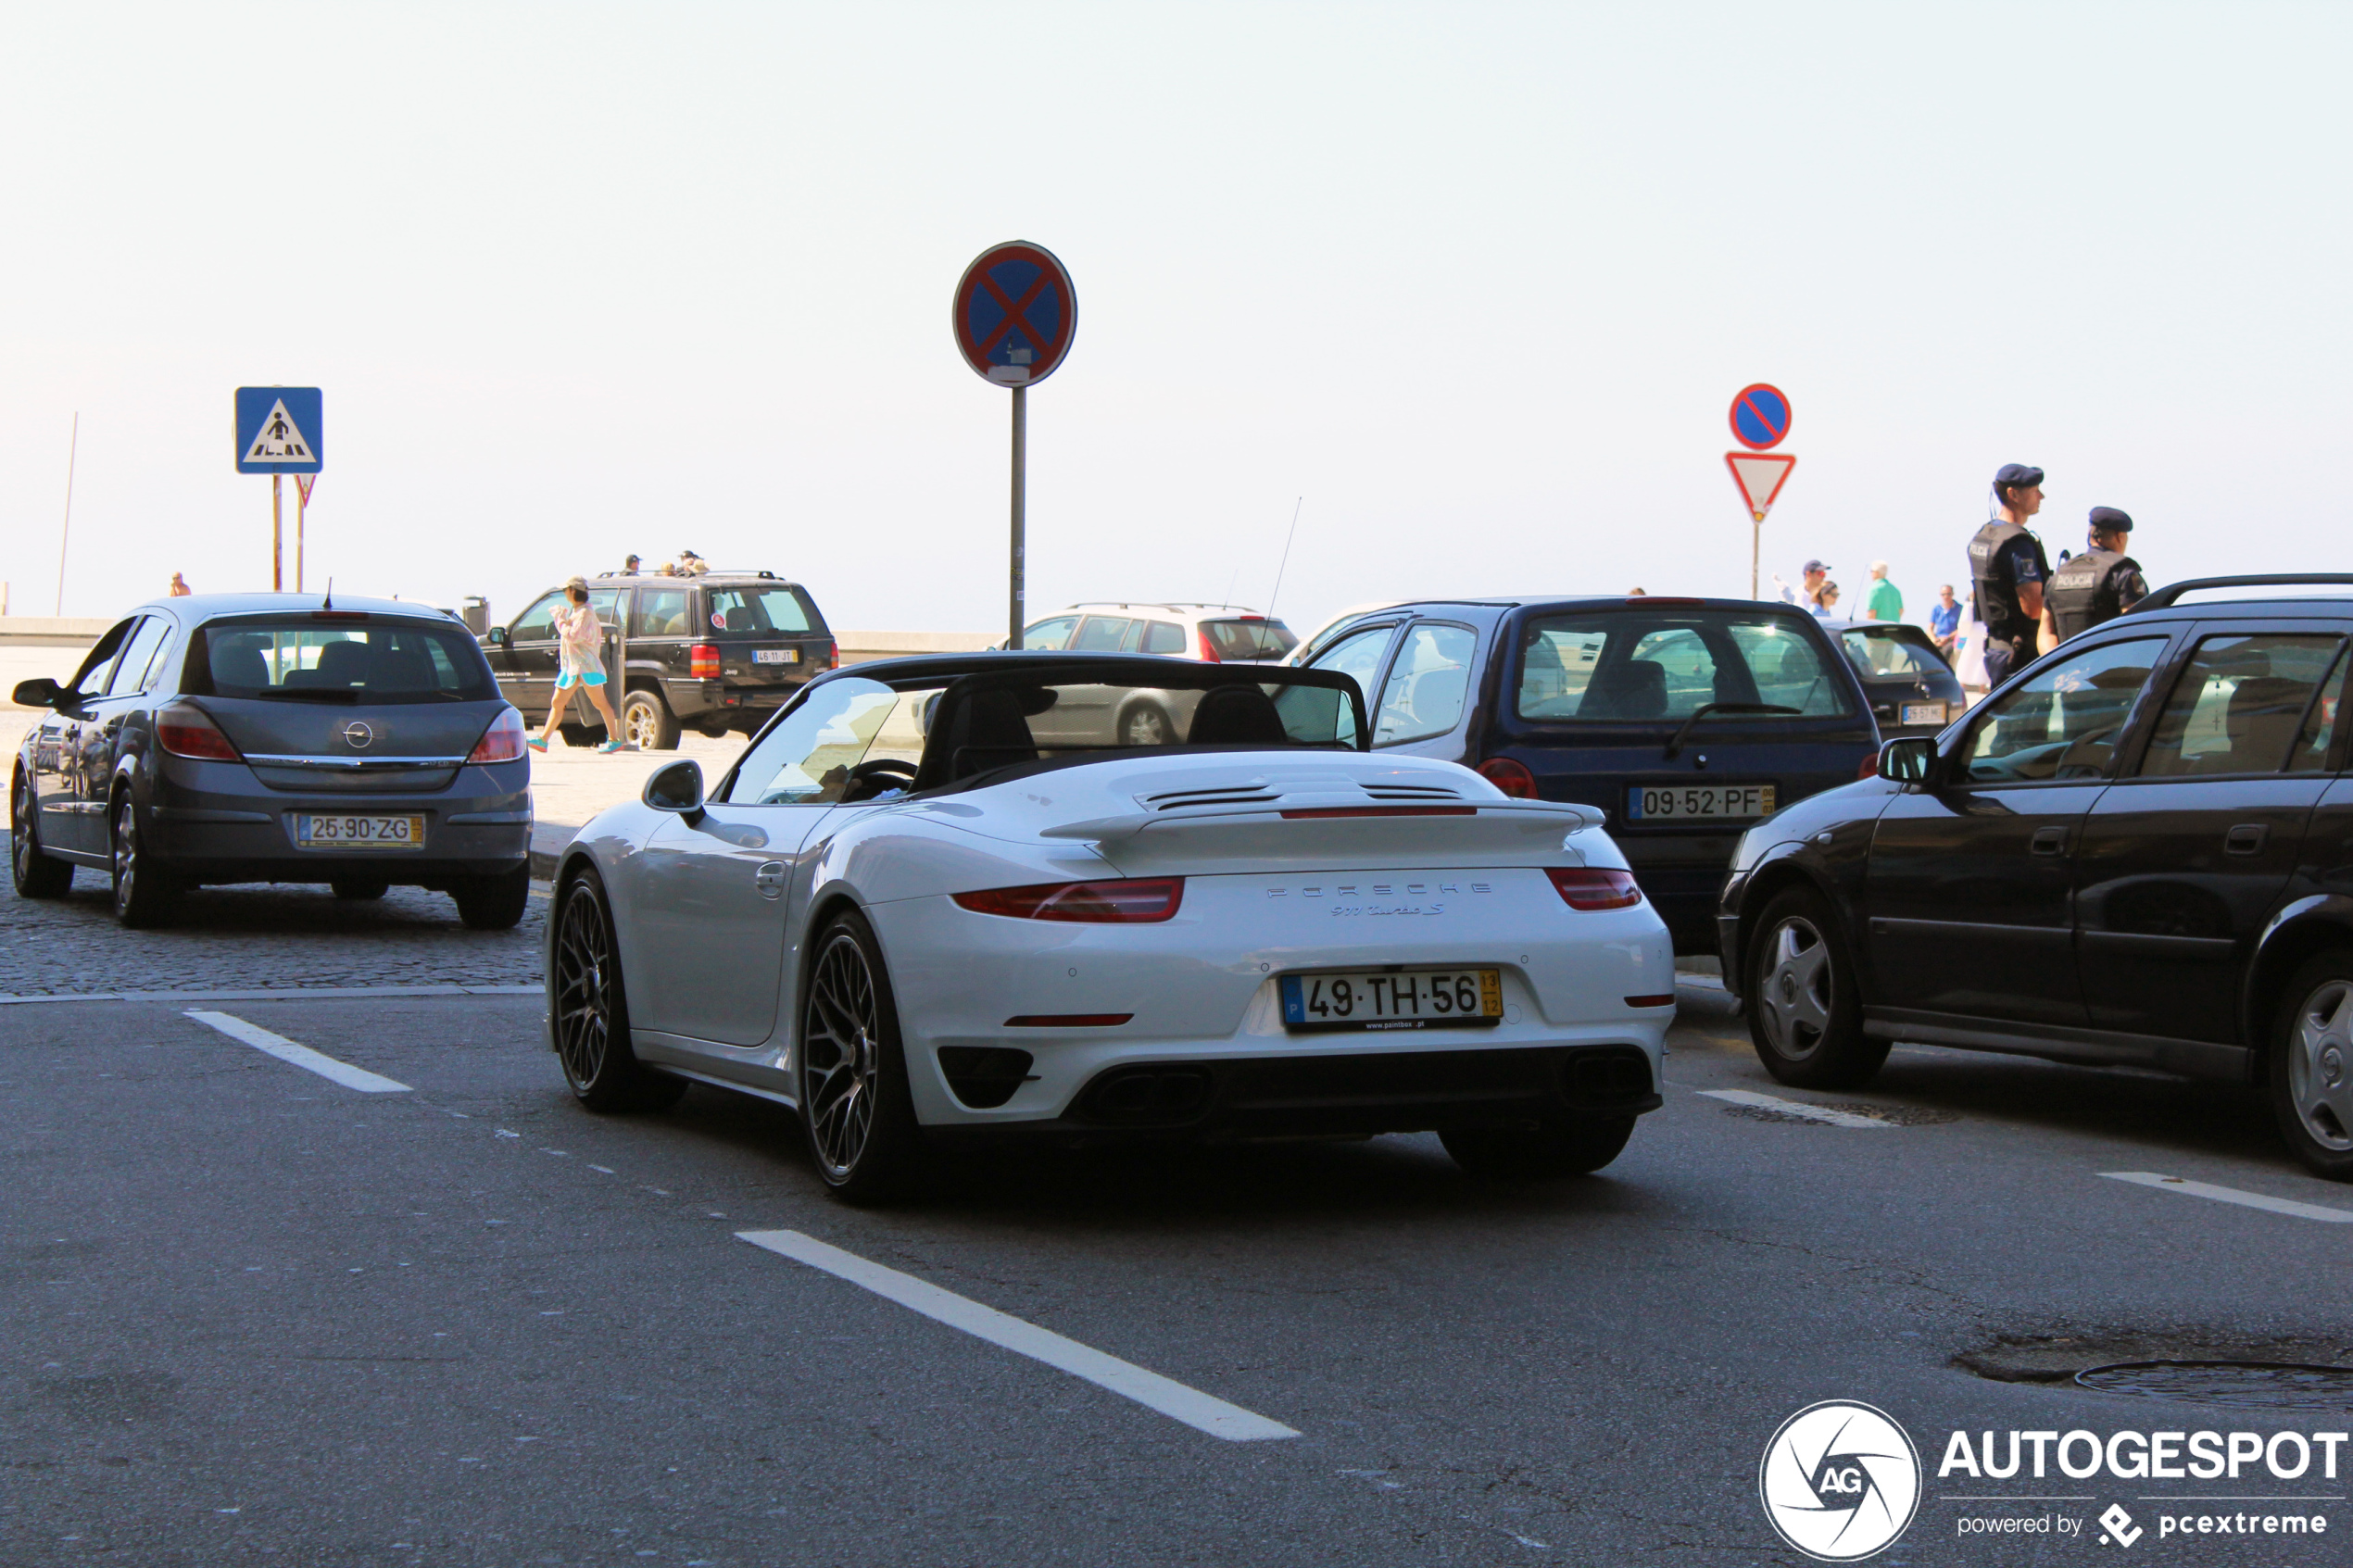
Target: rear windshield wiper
(1705, 708)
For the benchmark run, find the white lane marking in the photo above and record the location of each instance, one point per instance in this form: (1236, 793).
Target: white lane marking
(2233, 1195)
(1201, 1411)
(282, 993)
(1822, 1113)
(287, 1051)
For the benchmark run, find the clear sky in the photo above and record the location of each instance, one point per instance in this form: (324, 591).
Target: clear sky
(1476, 281)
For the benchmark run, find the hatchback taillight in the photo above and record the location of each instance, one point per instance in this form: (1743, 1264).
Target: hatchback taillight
(1208, 653)
(1869, 769)
(702, 662)
(1512, 778)
(502, 742)
(1588, 887)
(185, 729)
(1140, 902)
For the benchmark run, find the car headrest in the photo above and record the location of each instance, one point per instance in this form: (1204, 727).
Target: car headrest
(1636, 690)
(1237, 715)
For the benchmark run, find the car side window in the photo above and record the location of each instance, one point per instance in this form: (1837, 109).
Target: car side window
(537, 624)
(98, 664)
(2259, 704)
(130, 669)
(661, 612)
(1050, 635)
(2065, 722)
(807, 759)
(1358, 655)
(1101, 634)
(1428, 683)
(1164, 636)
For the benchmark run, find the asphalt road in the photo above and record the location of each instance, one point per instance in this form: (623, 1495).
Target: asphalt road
(258, 1316)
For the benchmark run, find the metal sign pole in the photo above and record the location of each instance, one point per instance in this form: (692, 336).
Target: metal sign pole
(1021, 467)
(277, 534)
(1755, 546)
(302, 517)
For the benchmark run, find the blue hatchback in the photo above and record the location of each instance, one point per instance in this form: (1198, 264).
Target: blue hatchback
(1688, 720)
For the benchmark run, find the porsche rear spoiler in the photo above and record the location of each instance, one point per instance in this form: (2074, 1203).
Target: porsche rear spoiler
(1336, 818)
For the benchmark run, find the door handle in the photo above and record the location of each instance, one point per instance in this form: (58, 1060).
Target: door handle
(770, 880)
(2247, 838)
(2050, 841)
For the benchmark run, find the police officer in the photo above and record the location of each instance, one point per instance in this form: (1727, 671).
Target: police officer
(2099, 584)
(2008, 567)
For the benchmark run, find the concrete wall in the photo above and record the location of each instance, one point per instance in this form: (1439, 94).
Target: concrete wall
(857, 648)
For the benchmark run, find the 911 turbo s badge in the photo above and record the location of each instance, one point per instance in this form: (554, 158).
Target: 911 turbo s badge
(1352, 892)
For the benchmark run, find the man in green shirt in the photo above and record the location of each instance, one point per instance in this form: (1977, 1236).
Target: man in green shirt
(1884, 603)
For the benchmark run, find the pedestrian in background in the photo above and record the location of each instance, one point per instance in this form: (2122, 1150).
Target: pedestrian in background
(2008, 568)
(2098, 585)
(1809, 590)
(179, 589)
(629, 565)
(1944, 623)
(1826, 601)
(580, 641)
(1884, 602)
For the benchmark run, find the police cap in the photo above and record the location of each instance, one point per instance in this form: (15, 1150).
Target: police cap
(2108, 520)
(2010, 474)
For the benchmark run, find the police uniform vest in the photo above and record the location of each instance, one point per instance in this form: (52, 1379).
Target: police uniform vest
(1998, 603)
(2084, 593)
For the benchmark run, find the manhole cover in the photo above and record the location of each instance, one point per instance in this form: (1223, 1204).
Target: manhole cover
(2271, 1385)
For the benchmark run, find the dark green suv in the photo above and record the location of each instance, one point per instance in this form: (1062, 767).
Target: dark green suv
(715, 652)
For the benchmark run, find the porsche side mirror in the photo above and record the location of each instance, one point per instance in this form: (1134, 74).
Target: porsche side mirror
(498, 636)
(677, 787)
(39, 692)
(1907, 758)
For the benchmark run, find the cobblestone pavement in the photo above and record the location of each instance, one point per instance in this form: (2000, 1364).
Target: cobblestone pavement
(258, 938)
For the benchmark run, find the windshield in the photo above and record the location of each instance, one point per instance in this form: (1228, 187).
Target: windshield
(853, 739)
(1632, 667)
(322, 659)
(1894, 651)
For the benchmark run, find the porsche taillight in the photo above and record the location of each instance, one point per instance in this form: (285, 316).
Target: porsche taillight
(1590, 888)
(702, 662)
(1140, 901)
(502, 742)
(185, 729)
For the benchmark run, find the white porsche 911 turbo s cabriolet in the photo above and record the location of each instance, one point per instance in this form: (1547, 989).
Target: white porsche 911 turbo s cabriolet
(909, 915)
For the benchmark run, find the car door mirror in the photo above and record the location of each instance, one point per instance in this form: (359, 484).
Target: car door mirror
(1907, 758)
(39, 692)
(677, 787)
(499, 636)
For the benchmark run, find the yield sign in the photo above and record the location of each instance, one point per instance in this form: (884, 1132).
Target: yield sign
(1015, 314)
(1760, 476)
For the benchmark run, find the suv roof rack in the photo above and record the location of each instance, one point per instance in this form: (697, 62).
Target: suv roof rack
(2165, 597)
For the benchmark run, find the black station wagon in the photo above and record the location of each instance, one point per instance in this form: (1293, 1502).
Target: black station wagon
(2138, 851)
(1684, 720)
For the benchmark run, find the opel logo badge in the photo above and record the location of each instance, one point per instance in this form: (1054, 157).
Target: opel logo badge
(359, 735)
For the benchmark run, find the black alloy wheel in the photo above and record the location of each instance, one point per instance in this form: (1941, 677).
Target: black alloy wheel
(854, 1101)
(37, 873)
(1576, 1147)
(591, 1008)
(1805, 1011)
(2309, 1076)
(142, 890)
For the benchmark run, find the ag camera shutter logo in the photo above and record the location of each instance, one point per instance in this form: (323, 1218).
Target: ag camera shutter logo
(1840, 1481)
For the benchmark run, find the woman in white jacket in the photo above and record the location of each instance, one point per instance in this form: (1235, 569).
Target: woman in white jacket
(579, 639)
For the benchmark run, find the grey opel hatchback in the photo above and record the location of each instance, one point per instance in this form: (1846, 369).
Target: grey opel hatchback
(277, 738)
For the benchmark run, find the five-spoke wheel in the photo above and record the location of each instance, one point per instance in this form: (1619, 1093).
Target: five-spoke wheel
(2311, 1066)
(1804, 1013)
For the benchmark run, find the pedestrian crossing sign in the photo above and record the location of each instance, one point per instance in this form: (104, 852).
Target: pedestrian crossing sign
(279, 430)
